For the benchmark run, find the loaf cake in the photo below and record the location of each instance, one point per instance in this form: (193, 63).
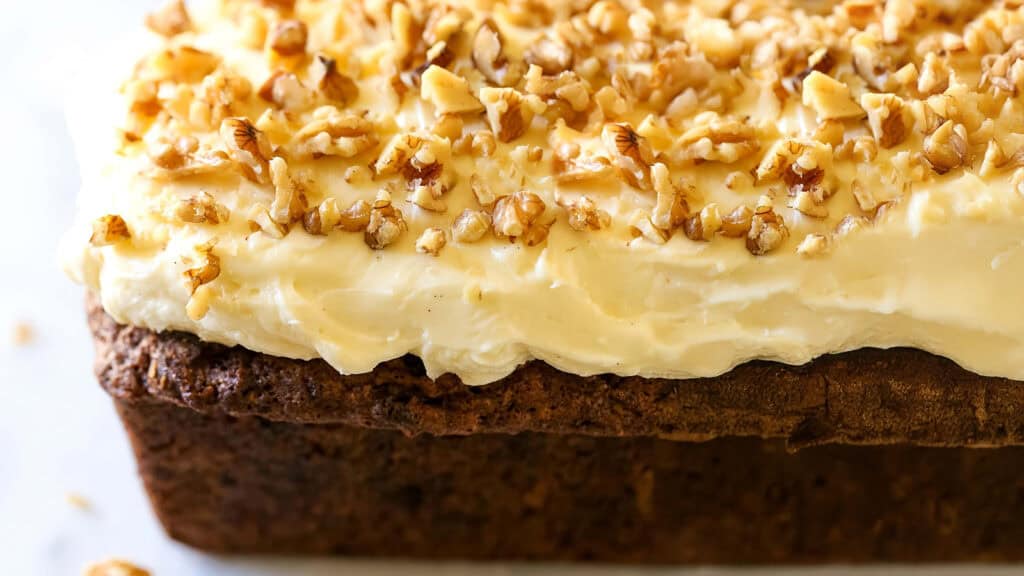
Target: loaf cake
(720, 281)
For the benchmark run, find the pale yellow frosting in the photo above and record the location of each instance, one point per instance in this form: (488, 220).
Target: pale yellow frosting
(938, 269)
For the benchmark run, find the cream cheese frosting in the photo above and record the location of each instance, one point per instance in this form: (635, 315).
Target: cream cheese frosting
(886, 239)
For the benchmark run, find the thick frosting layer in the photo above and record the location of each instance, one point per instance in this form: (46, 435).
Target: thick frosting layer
(890, 252)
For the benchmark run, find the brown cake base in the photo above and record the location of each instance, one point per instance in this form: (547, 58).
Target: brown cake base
(244, 452)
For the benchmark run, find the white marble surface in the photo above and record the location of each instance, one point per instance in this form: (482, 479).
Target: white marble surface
(58, 433)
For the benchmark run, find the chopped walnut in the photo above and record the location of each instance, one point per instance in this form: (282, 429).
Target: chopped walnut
(489, 56)
(332, 84)
(386, 223)
(767, 229)
(425, 175)
(448, 92)
(850, 224)
(114, 567)
(585, 215)
(736, 224)
(108, 230)
(170, 20)
(259, 219)
(806, 203)
(640, 224)
(934, 75)
(946, 148)
(322, 219)
(630, 153)
(356, 217)
(552, 56)
(182, 64)
(471, 226)
(672, 209)
(516, 213)
(829, 98)
(289, 198)
(220, 94)
(804, 166)
(888, 118)
(509, 112)
(247, 146)
(207, 271)
(703, 226)
(431, 241)
(566, 86)
(286, 91)
(288, 38)
(813, 245)
(201, 209)
(334, 133)
(725, 141)
(717, 40)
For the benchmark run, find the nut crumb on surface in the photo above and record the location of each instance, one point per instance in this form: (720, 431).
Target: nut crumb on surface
(114, 567)
(23, 333)
(78, 501)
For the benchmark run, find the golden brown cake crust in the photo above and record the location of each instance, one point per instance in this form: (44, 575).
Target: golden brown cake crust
(865, 397)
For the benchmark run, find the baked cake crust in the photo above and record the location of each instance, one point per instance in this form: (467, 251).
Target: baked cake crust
(862, 397)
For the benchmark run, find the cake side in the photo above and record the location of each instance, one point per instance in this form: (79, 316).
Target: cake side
(867, 396)
(665, 189)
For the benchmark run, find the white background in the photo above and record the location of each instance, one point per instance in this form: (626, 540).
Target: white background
(58, 432)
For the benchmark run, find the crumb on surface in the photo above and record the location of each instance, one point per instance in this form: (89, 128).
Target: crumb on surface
(78, 501)
(23, 333)
(114, 567)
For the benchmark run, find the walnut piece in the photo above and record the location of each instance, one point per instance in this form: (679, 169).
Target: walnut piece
(356, 217)
(736, 224)
(288, 38)
(725, 141)
(331, 83)
(114, 567)
(489, 56)
(888, 118)
(386, 223)
(183, 64)
(201, 209)
(170, 20)
(672, 208)
(289, 198)
(585, 215)
(323, 218)
(552, 56)
(108, 230)
(514, 215)
(703, 226)
(259, 219)
(946, 148)
(335, 134)
(509, 112)
(449, 93)
(813, 245)
(767, 229)
(471, 226)
(247, 146)
(630, 153)
(829, 98)
(207, 271)
(640, 225)
(431, 241)
(286, 91)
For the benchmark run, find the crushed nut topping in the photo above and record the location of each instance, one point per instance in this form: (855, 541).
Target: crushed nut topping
(516, 214)
(767, 229)
(385, 223)
(208, 269)
(114, 567)
(170, 20)
(247, 146)
(108, 230)
(432, 101)
(585, 215)
(201, 209)
(335, 86)
(288, 37)
(431, 241)
(471, 226)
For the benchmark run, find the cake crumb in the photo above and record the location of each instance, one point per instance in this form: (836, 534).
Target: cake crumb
(114, 567)
(23, 333)
(78, 501)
